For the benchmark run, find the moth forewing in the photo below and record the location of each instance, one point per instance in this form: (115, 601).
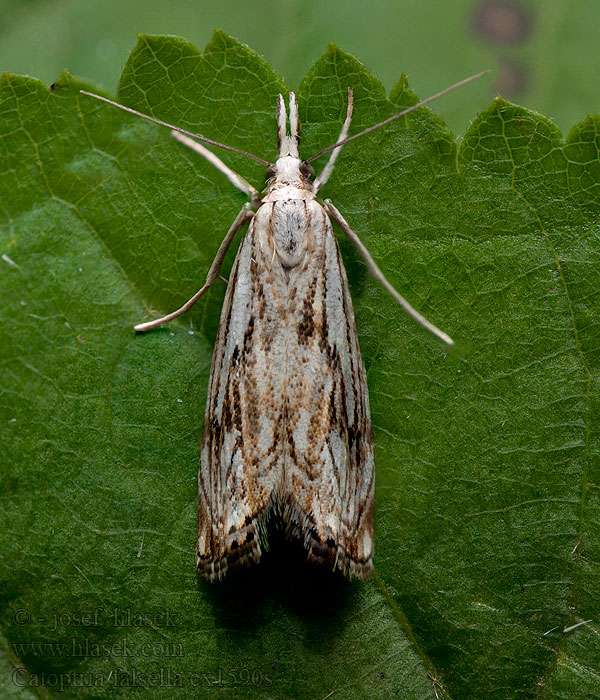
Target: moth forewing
(287, 429)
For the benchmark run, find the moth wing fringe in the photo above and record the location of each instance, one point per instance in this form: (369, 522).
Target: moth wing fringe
(243, 548)
(323, 550)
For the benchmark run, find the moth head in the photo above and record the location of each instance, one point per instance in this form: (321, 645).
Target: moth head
(289, 171)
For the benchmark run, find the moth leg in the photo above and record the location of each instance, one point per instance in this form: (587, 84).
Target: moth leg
(213, 274)
(235, 178)
(378, 274)
(321, 179)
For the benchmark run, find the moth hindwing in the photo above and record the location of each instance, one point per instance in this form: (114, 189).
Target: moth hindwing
(287, 430)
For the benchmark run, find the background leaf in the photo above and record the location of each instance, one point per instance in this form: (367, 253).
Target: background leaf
(487, 484)
(534, 48)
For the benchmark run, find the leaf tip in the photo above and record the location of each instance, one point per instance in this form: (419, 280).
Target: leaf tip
(65, 80)
(332, 49)
(221, 40)
(220, 35)
(401, 94)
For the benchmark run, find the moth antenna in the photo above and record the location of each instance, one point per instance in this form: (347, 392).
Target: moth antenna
(400, 114)
(198, 137)
(321, 179)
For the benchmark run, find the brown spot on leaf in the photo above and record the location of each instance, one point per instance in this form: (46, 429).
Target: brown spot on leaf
(502, 22)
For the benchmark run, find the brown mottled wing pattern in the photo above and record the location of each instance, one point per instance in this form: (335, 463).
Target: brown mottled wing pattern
(239, 461)
(287, 426)
(329, 472)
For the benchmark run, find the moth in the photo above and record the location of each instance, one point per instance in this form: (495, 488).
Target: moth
(287, 430)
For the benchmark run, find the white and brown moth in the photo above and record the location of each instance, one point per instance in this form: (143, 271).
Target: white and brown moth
(287, 430)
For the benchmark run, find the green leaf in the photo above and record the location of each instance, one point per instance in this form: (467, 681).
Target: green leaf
(487, 500)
